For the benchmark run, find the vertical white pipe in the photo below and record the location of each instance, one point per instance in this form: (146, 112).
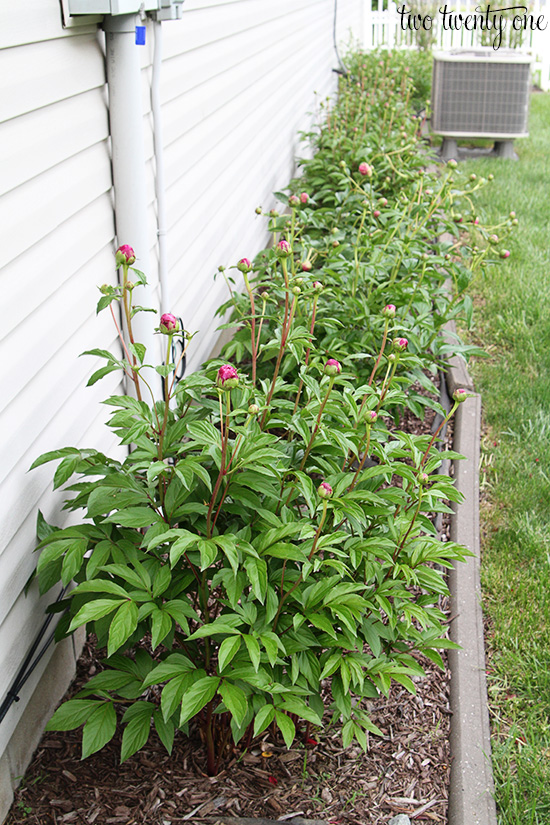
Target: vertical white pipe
(129, 163)
(159, 170)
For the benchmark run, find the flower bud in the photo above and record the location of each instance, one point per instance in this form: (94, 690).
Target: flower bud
(307, 266)
(168, 323)
(505, 253)
(273, 213)
(452, 164)
(335, 244)
(490, 177)
(324, 489)
(333, 367)
(475, 221)
(125, 255)
(383, 201)
(105, 289)
(376, 213)
(221, 268)
(365, 169)
(515, 222)
(296, 290)
(283, 249)
(460, 395)
(372, 417)
(400, 344)
(244, 265)
(228, 377)
(389, 311)
(473, 177)
(512, 214)
(304, 197)
(423, 479)
(294, 200)
(253, 409)
(258, 210)
(317, 286)
(264, 295)
(342, 164)
(130, 285)
(493, 239)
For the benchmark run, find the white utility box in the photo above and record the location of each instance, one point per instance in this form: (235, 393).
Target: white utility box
(165, 9)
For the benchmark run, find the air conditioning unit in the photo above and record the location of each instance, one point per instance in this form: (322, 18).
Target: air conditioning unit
(480, 93)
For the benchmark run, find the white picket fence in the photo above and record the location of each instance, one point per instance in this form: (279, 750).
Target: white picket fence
(385, 27)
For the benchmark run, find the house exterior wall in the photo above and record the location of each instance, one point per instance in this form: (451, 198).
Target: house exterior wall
(239, 78)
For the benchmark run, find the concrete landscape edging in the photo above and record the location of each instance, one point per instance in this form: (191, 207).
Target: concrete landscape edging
(471, 790)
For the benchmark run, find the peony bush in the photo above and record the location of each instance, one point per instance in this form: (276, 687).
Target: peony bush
(265, 555)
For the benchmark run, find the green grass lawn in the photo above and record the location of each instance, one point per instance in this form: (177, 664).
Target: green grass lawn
(512, 322)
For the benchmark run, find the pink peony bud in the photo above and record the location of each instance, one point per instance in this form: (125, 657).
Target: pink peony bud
(376, 213)
(505, 253)
(372, 417)
(400, 344)
(168, 323)
(283, 249)
(493, 239)
(324, 489)
(253, 409)
(389, 311)
(304, 197)
(423, 479)
(317, 286)
(476, 221)
(294, 200)
(452, 164)
(473, 177)
(307, 266)
(383, 201)
(125, 255)
(460, 395)
(296, 290)
(228, 377)
(365, 169)
(244, 265)
(333, 367)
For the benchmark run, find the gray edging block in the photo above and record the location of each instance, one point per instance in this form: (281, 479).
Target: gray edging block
(471, 799)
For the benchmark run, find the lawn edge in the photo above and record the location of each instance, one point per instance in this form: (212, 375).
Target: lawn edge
(471, 788)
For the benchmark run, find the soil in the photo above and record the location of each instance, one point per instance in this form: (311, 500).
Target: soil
(404, 771)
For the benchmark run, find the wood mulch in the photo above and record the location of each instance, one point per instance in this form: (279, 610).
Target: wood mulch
(406, 771)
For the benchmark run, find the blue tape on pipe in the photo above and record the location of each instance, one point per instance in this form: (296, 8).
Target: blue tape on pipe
(140, 35)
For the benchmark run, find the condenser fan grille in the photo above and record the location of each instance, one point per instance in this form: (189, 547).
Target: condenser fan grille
(478, 98)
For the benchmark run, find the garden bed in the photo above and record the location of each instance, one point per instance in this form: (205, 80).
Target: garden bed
(265, 560)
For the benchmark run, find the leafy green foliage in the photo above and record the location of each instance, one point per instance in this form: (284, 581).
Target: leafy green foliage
(261, 539)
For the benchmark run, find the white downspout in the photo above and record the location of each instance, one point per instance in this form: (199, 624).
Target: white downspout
(159, 176)
(129, 163)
